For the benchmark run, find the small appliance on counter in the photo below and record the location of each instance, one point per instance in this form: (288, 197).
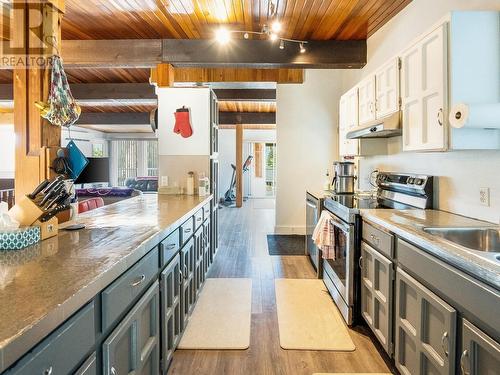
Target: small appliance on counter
(344, 177)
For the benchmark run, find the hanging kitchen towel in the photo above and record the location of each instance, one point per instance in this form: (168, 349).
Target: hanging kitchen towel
(61, 109)
(324, 235)
(183, 122)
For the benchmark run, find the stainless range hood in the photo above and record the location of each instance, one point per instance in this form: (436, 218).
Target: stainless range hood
(386, 127)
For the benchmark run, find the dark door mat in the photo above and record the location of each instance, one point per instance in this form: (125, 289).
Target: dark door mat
(286, 244)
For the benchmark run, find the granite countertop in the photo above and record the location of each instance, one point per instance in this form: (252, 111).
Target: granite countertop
(43, 285)
(409, 224)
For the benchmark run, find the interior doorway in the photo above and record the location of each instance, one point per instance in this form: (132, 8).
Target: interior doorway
(261, 181)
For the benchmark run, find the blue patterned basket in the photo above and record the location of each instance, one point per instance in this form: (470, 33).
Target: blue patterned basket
(20, 238)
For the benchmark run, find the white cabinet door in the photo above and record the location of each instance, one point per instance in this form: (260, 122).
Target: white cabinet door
(367, 100)
(348, 119)
(424, 93)
(387, 89)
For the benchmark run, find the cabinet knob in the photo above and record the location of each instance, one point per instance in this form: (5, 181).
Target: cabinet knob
(444, 343)
(113, 371)
(464, 355)
(48, 371)
(360, 262)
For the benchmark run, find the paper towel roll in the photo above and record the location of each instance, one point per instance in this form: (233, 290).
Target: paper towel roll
(480, 116)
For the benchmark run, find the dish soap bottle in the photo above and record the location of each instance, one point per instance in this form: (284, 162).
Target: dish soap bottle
(328, 181)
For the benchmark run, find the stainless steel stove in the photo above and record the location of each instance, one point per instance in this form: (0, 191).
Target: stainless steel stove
(394, 190)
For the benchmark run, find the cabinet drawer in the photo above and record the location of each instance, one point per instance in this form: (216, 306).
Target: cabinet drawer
(119, 296)
(382, 241)
(169, 247)
(187, 230)
(198, 219)
(64, 349)
(206, 211)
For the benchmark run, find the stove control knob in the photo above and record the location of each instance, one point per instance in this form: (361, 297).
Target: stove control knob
(411, 181)
(419, 181)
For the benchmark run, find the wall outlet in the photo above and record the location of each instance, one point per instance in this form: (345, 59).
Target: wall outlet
(484, 196)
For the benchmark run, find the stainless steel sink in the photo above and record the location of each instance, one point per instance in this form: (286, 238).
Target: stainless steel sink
(486, 239)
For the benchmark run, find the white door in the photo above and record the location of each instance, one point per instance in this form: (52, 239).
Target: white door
(366, 100)
(424, 93)
(387, 89)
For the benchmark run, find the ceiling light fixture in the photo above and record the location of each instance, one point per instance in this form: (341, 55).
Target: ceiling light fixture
(282, 44)
(302, 49)
(276, 26)
(273, 37)
(223, 35)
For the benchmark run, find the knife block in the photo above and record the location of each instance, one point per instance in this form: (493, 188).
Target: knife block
(25, 212)
(49, 228)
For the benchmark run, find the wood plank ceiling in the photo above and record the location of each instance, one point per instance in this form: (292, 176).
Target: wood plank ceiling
(196, 19)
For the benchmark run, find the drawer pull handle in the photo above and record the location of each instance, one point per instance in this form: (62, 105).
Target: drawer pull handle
(462, 362)
(440, 117)
(139, 281)
(360, 262)
(48, 371)
(171, 246)
(113, 371)
(199, 218)
(181, 278)
(444, 343)
(186, 274)
(375, 239)
(187, 230)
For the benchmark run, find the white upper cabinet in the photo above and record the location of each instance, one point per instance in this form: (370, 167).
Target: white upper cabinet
(348, 119)
(366, 90)
(387, 89)
(424, 93)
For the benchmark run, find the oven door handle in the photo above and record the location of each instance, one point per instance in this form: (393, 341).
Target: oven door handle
(312, 205)
(339, 224)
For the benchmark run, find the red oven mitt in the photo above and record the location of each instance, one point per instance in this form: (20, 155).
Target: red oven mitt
(183, 123)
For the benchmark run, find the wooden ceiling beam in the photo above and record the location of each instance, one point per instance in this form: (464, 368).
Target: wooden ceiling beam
(246, 95)
(147, 53)
(251, 126)
(233, 118)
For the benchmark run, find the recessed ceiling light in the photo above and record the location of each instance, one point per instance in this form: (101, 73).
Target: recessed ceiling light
(222, 35)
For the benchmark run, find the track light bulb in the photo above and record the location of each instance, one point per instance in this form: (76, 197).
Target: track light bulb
(302, 49)
(276, 27)
(246, 35)
(273, 37)
(282, 44)
(222, 35)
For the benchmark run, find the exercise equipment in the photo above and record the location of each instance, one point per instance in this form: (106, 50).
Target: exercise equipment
(230, 195)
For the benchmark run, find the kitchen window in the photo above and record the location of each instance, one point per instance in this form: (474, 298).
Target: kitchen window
(133, 158)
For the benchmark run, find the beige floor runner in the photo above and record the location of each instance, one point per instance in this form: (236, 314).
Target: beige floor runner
(222, 316)
(307, 317)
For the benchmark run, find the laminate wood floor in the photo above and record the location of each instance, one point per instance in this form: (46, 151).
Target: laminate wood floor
(243, 253)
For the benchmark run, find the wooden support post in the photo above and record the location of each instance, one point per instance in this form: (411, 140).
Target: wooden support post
(36, 25)
(163, 75)
(239, 165)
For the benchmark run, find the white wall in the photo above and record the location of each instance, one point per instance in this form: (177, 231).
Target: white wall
(461, 173)
(227, 151)
(7, 151)
(307, 142)
(84, 139)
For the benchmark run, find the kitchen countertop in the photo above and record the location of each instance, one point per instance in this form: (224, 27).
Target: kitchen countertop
(409, 224)
(43, 285)
(320, 194)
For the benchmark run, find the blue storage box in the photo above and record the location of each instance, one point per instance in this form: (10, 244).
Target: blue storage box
(19, 238)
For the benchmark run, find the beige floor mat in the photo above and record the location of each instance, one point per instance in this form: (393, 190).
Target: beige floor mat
(307, 317)
(222, 316)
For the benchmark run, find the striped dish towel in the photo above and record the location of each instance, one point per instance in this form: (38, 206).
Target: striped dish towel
(324, 236)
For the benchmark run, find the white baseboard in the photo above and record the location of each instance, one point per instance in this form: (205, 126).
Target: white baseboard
(283, 229)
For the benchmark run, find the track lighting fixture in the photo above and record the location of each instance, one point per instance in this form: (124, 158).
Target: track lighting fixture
(276, 27)
(222, 35)
(273, 37)
(282, 44)
(302, 49)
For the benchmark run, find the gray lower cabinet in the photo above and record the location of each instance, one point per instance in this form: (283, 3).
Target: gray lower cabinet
(89, 367)
(480, 354)
(198, 269)
(187, 261)
(134, 346)
(425, 329)
(61, 353)
(377, 275)
(170, 290)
